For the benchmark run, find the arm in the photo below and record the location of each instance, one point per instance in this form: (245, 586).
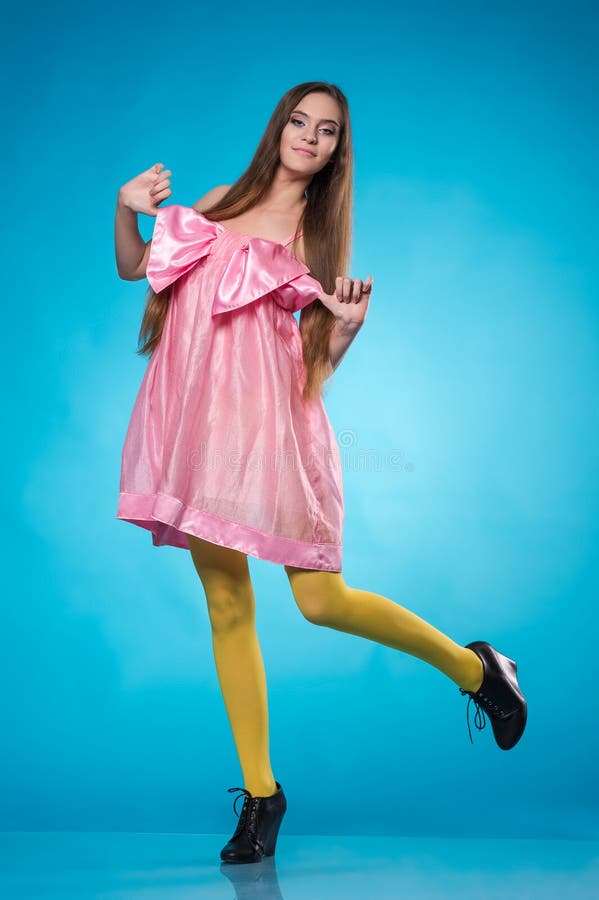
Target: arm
(349, 304)
(341, 337)
(142, 194)
(132, 252)
(131, 249)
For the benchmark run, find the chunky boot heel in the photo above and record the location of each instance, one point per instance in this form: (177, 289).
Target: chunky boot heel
(499, 695)
(258, 827)
(270, 842)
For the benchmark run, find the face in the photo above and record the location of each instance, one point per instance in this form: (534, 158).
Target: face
(314, 127)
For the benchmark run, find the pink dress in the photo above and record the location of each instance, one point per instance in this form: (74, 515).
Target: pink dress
(221, 443)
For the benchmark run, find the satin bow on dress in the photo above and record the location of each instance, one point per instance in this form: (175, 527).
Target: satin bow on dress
(257, 267)
(221, 443)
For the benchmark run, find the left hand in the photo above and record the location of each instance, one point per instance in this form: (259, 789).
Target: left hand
(349, 303)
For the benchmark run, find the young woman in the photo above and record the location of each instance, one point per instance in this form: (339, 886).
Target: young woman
(229, 450)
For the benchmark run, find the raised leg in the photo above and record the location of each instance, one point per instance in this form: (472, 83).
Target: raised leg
(325, 599)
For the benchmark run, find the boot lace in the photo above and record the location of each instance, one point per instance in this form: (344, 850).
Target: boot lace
(247, 817)
(482, 700)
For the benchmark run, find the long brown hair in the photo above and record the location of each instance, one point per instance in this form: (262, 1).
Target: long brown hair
(326, 223)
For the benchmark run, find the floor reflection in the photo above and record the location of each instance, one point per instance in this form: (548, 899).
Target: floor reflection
(119, 866)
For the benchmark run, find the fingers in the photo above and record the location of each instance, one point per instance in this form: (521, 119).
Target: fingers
(161, 189)
(158, 198)
(162, 179)
(345, 289)
(162, 183)
(350, 290)
(356, 290)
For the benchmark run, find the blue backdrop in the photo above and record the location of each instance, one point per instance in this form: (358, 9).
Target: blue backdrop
(466, 413)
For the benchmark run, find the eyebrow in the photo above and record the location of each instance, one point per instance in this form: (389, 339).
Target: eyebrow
(302, 113)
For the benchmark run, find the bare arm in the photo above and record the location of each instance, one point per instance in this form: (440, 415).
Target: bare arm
(349, 303)
(142, 193)
(339, 341)
(131, 250)
(341, 337)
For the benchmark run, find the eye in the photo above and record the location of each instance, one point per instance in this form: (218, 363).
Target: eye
(300, 122)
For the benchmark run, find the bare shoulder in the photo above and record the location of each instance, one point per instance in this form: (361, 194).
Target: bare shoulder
(212, 197)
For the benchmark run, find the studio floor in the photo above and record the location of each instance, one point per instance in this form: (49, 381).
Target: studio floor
(99, 865)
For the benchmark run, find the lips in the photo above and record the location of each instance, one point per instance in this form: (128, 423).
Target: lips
(303, 150)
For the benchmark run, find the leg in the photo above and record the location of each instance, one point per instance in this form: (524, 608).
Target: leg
(325, 599)
(231, 606)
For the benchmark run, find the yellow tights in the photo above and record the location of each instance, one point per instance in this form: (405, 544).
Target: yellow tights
(324, 599)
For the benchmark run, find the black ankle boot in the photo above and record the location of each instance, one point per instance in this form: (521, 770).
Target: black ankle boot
(258, 827)
(499, 694)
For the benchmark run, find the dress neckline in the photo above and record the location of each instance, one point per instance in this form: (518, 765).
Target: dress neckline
(253, 237)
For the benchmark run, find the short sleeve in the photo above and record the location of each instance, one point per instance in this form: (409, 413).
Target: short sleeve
(182, 236)
(298, 292)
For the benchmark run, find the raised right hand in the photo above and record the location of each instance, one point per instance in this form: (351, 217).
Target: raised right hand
(146, 191)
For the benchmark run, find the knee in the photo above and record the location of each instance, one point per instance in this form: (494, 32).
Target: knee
(227, 584)
(314, 610)
(316, 593)
(229, 607)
